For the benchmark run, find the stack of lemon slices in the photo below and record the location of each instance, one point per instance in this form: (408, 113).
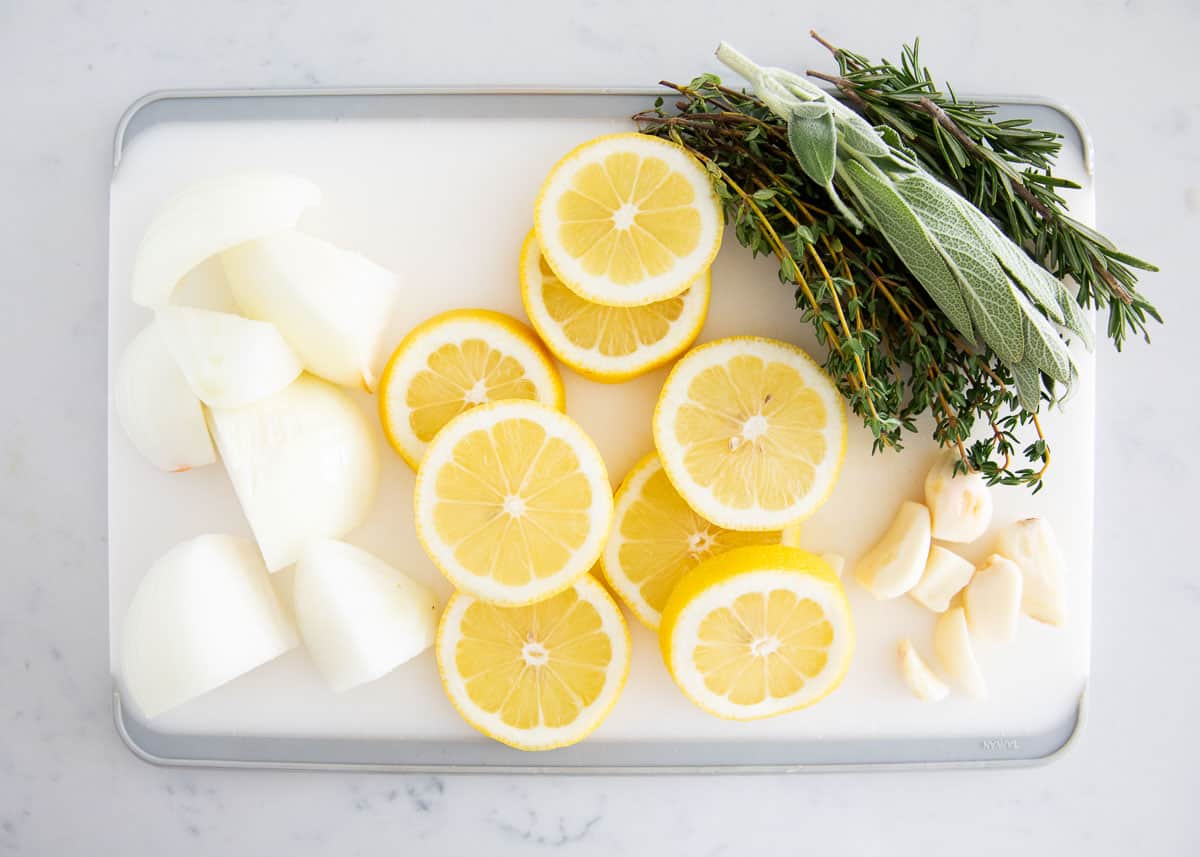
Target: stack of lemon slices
(513, 501)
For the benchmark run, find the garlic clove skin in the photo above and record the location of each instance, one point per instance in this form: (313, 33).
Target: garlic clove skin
(960, 505)
(946, 573)
(992, 600)
(921, 680)
(895, 564)
(1031, 544)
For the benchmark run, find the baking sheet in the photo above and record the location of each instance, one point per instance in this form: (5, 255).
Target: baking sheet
(439, 186)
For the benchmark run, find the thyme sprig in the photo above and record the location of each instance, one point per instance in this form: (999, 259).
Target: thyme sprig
(1005, 168)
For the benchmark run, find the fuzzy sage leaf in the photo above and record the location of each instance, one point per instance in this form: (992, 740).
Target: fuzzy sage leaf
(812, 135)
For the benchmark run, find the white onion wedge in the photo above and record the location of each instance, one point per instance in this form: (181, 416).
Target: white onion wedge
(156, 407)
(203, 615)
(304, 463)
(229, 361)
(210, 217)
(952, 644)
(359, 617)
(330, 304)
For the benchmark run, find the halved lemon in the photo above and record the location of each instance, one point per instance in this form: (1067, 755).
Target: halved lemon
(758, 631)
(605, 343)
(455, 361)
(628, 219)
(751, 432)
(535, 677)
(656, 539)
(513, 502)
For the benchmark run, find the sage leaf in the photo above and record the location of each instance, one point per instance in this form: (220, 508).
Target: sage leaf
(1029, 386)
(812, 137)
(903, 230)
(986, 288)
(1039, 284)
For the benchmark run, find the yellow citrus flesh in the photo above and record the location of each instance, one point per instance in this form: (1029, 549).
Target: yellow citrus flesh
(628, 219)
(758, 631)
(606, 343)
(455, 361)
(751, 432)
(657, 539)
(539, 676)
(513, 502)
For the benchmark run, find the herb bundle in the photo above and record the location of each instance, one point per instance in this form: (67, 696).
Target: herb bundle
(892, 351)
(1004, 167)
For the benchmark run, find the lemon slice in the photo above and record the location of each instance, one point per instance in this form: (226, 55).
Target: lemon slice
(757, 631)
(657, 539)
(628, 219)
(535, 677)
(606, 343)
(453, 362)
(513, 502)
(751, 432)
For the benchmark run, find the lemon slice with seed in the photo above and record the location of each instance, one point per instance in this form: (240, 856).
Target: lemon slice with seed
(535, 677)
(455, 361)
(657, 539)
(604, 343)
(628, 219)
(751, 432)
(513, 502)
(758, 631)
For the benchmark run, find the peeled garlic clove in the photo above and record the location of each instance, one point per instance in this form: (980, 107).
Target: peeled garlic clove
(203, 615)
(945, 574)
(157, 408)
(894, 565)
(209, 218)
(919, 677)
(304, 464)
(1032, 546)
(993, 599)
(229, 361)
(330, 304)
(836, 562)
(359, 617)
(952, 645)
(960, 505)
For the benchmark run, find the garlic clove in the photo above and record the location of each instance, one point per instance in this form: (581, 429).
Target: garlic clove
(960, 505)
(1032, 546)
(894, 565)
(953, 647)
(921, 680)
(993, 599)
(946, 573)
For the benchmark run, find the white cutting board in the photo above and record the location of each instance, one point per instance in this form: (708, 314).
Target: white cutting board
(445, 203)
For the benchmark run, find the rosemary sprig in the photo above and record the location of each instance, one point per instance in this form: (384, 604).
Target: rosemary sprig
(1004, 167)
(891, 352)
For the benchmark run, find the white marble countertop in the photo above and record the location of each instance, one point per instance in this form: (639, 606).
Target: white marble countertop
(68, 785)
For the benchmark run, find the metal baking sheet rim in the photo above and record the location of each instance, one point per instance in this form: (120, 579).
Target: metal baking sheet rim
(1001, 752)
